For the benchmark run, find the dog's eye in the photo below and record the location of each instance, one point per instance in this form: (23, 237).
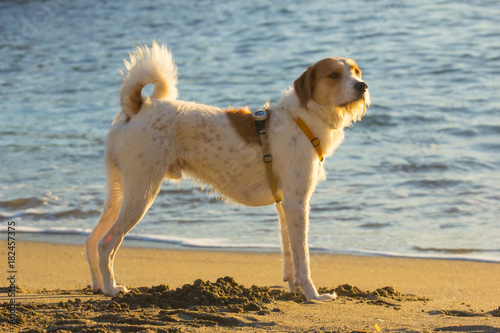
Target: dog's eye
(358, 72)
(334, 76)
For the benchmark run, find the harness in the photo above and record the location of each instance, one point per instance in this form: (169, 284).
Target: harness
(260, 117)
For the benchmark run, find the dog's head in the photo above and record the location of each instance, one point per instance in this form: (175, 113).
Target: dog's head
(334, 83)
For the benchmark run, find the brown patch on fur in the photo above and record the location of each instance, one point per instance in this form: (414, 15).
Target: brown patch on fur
(304, 85)
(242, 122)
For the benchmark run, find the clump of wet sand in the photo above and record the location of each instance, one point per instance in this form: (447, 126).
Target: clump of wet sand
(225, 292)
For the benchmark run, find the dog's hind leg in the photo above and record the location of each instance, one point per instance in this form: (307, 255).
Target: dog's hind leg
(288, 271)
(140, 189)
(108, 217)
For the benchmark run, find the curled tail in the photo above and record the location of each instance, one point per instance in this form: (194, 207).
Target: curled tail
(147, 66)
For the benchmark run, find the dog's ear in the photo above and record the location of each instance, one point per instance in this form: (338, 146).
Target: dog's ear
(304, 86)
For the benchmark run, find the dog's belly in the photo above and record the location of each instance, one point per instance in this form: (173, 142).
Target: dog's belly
(235, 179)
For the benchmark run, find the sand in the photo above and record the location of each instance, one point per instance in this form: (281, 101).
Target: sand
(207, 291)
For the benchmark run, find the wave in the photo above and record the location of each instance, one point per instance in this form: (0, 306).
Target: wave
(219, 243)
(479, 255)
(451, 250)
(433, 183)
(22, 203)
(36, 215)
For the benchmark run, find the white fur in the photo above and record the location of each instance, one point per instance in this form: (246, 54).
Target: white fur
(167, 138)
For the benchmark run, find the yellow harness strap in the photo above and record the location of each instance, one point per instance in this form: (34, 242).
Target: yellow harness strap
(268, 162)
(314, 140)
(260, 117)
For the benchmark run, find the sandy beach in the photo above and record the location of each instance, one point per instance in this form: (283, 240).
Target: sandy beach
(375, 293)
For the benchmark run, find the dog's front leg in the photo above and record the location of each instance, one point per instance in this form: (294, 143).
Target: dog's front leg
(288, 271)
(296, 214)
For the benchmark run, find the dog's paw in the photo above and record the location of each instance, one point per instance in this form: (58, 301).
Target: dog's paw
(325, 297)
(97, 287)
(294, 288)
(113, 291)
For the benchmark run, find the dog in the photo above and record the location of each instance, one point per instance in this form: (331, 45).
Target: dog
(159, 137)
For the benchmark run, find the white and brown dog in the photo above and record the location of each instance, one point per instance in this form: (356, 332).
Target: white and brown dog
(159, 137)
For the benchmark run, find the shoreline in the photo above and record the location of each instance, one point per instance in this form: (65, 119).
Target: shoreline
(424, 294)
(142, 241)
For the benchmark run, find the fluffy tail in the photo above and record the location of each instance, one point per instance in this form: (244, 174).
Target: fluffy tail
(147, 66)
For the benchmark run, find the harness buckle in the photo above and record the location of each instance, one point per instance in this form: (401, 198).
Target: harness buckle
(315, 142)
(267, 158)
(260, 115)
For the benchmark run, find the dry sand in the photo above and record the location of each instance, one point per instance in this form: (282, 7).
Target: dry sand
(424, 295)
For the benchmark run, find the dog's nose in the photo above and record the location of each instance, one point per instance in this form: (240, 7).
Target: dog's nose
(360, 86)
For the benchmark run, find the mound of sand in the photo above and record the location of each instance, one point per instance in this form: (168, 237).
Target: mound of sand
(201, 304)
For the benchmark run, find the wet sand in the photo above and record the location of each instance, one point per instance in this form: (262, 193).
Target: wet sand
(203, 291)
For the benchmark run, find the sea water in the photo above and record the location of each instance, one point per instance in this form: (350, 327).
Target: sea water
(418, 176)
